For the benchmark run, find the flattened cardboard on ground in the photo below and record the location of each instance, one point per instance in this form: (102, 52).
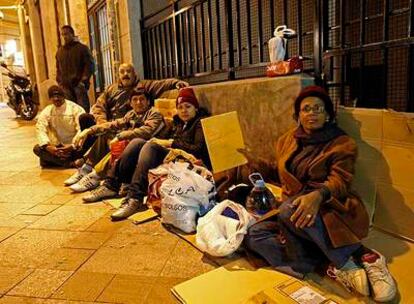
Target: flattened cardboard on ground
(238, 282)
(235, 283)
(223, 137)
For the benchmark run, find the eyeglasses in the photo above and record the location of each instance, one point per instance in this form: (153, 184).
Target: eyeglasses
(318, 109)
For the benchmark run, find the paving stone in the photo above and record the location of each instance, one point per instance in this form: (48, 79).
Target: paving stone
(161, 291)
(58, 199)
(9, 277)
(131, 254)
(41, 210)
(42, 283)
(27, 300)
(88, 240)
(5, 232)
(66, 258)
(27, 194)
(127, 289)
(27, 219)
(83, 286)
(73, 218)
(33, 248)
(104, 224)
(9, 210)
(186, 262)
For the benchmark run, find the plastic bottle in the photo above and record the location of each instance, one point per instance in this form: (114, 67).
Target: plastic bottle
(260, 200)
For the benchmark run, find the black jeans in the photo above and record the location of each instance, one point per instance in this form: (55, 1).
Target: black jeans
(132, 167)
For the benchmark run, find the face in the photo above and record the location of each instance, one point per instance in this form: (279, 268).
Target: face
(127, 75)
(186, 111)
(57, 100)
(67, 35)
(312, 114)
(140, 104)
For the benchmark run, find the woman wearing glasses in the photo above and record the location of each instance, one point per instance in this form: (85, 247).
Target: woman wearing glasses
(321, 221)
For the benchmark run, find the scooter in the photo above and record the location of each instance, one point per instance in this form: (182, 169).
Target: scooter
(20, 94)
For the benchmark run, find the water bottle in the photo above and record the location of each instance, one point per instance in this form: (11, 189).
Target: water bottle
(260, 200)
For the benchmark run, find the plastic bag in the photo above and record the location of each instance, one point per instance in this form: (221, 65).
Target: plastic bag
(185, 195)
(277, 44)
(117, 148)
(221, 231)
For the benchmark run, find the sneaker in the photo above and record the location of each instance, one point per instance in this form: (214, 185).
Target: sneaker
(82, 171)
(382, 284)
(88, 182)
(99, 194)
(128, 207)
(353, 279)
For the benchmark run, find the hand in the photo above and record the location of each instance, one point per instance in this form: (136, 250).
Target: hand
(307, 207)
(181, 84)
(52, 149)
(166, 143)
(79, 139)
(65, 151)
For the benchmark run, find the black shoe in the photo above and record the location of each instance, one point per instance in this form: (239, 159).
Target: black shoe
(128, 207)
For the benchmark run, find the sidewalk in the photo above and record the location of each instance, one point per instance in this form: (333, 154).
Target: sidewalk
(54, 248)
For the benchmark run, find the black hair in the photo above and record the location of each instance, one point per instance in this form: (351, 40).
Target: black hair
(69, 28)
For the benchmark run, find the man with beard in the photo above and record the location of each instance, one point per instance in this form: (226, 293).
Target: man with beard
(56, 127)
(74, 67)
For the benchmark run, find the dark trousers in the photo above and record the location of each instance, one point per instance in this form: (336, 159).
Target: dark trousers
(281, 244)
(78, 94)
(49, 160)
(133, 165)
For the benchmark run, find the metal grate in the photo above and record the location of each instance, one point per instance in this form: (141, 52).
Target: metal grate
(364, 56)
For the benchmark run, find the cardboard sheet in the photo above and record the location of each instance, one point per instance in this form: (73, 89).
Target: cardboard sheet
(240, 284)
(223, 137)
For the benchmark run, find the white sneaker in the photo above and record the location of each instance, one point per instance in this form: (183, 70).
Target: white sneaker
(82, 171)
(352, 280)
(99, 194)
(382, 283)
(88, 182)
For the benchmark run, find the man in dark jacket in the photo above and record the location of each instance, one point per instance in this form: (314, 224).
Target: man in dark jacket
(74, 67)
(113, 103)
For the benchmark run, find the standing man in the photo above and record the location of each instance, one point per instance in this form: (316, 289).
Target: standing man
(56, 127)
(74, 67)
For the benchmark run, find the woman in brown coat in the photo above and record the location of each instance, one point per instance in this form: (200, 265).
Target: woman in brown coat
(320, 219)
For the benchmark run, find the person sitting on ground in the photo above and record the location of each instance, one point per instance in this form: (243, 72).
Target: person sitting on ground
(56, 127)
(140, 156)
(143, 121)
(113, 103)
(320, 220)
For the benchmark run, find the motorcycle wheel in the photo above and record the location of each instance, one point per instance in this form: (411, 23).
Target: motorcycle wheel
(31, 109)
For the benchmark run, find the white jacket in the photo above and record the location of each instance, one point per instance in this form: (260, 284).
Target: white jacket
(58, 125)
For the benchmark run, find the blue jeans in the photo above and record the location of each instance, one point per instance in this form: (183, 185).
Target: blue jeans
(301, 249)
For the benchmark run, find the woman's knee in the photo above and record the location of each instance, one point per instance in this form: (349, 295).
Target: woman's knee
(285, 211)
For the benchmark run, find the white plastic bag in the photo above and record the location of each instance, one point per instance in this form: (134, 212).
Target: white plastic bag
(185, 194)
(277, 44)
(220, 235)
